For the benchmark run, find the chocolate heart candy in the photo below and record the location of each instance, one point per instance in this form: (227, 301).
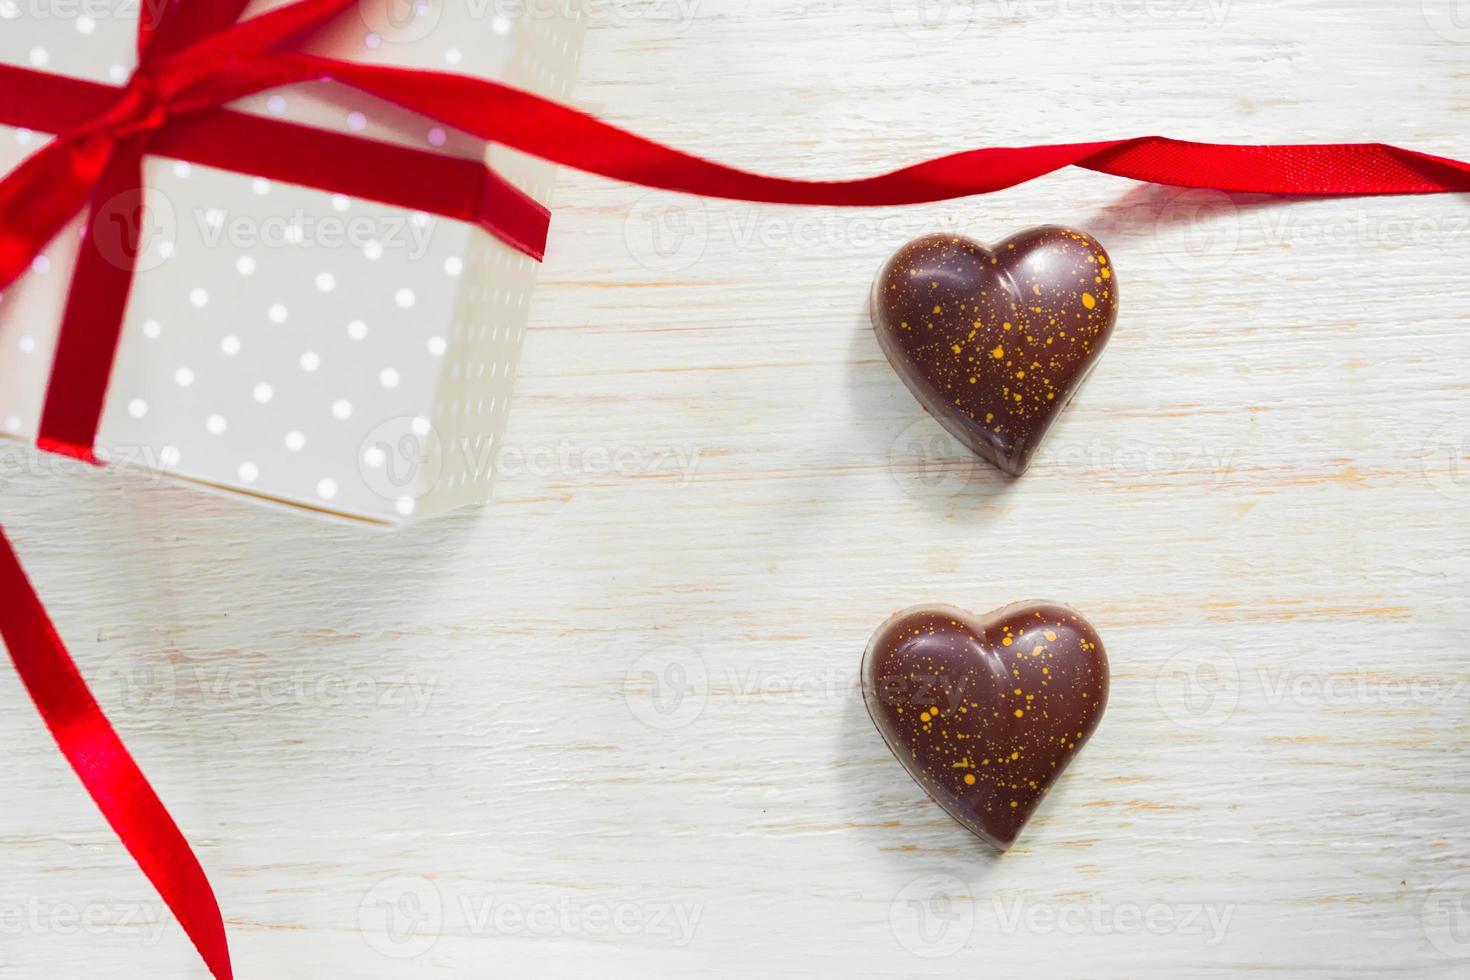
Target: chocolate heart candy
(993, 342)
(986, 712)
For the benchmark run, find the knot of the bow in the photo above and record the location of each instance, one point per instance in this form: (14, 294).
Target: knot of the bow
(139, 109)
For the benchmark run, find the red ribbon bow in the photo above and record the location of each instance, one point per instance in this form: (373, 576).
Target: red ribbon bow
(196, 56)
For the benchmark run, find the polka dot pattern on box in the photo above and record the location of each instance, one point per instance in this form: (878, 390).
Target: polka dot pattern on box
(305, 345)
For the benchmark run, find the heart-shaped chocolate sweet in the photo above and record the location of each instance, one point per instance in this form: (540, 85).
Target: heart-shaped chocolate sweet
(993, 342)
(986, 712)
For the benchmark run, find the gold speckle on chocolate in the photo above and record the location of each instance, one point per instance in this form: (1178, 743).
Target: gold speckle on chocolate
(970, 299)
(1013, 719)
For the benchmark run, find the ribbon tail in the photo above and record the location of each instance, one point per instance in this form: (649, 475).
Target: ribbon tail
(105, 767)
(40, 196)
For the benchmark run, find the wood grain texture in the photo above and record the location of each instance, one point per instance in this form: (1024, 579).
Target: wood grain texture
(610, 725)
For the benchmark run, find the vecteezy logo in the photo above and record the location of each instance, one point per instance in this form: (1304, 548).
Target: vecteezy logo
(399, 21)
(926, 461)
(932, 20)
(144, 680)
(1445, 459)
(1446, 916)
(135, 229)
(401, 916)
(1450, 19)
(666, 232)
(1197, 230)
(1198, 688)
(933, 916)
(401, 459)
(667, 688)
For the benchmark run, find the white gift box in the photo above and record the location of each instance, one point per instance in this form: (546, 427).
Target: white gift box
(330, 354)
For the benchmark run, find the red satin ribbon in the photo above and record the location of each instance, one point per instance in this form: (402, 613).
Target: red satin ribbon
(195, 56)
(108, 772)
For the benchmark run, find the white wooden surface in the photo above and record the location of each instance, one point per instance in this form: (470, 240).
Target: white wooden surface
(608, 724)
